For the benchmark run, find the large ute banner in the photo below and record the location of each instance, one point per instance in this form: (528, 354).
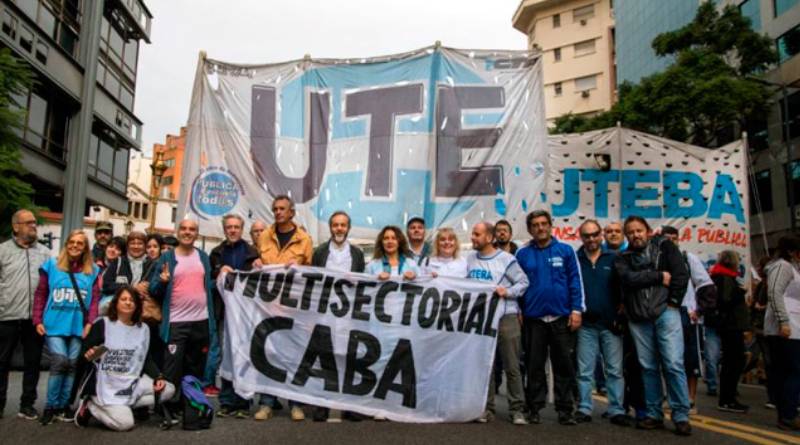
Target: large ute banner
(454, 136)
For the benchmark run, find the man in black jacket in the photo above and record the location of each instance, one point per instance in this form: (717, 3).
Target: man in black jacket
(654, 279)
(337, 254)
(233, 254)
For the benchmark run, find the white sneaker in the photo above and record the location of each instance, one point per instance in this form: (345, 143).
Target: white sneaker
(519, 419)
(334, 416)
(379, 418)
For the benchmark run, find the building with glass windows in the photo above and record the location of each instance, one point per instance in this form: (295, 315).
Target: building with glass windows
(78, 49)
(638, 22)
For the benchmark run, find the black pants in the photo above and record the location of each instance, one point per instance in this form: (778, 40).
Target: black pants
(632, 371)
(11, 333)
(558, 342)
(732, 364)
(185, 352)
(786, 375)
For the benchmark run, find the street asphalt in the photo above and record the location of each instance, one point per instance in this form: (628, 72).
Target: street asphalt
(710, 427)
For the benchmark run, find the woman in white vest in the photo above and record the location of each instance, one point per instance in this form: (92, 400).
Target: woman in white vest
(446, 259)
(126, 374)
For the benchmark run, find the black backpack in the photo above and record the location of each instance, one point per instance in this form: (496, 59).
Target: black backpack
(197, 410)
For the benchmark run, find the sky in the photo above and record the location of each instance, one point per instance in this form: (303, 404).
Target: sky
(271, 31)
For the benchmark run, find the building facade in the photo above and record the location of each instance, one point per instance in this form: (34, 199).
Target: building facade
(773, 141)
(80, 110)
(576, 38)
(173, 149)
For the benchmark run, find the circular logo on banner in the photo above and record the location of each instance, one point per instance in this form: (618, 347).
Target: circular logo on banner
(215, 192)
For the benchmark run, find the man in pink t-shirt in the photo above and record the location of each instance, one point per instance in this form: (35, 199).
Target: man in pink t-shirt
(181, 278)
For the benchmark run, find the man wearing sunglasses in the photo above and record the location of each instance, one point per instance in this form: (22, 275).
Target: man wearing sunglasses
(602, 291)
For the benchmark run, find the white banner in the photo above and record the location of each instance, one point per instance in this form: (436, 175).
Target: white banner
(453, 136)
(614, 173)
(412, 351)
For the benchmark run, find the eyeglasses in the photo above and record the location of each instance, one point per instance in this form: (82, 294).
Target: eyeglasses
(27, 223)
(591, 235)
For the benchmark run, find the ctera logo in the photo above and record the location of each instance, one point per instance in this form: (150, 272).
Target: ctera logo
(215, 192)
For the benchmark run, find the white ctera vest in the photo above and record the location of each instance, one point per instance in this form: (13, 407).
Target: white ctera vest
(119, 369)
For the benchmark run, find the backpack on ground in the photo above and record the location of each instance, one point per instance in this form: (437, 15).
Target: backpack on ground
(197, 410)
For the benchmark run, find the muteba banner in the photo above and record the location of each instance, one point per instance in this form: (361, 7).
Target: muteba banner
(454, 136)
(412, 351)
(614, 173)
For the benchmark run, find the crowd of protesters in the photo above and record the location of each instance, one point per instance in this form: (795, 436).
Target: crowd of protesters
(625, 315)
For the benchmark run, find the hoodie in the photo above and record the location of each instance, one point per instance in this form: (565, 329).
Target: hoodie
(780, 273)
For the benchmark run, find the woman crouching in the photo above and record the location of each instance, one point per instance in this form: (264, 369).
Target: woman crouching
(126, 376)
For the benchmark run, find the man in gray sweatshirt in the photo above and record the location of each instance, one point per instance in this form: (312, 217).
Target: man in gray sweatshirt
(20, 259)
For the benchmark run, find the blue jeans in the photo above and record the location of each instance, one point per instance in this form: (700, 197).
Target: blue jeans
(589, 338)
(63, 357)
(229, 399)
(272, 401)
(711, 353)
(660, 342)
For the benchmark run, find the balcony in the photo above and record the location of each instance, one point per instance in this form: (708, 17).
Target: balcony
(137, 17)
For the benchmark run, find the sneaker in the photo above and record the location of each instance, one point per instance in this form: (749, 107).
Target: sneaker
(48, 416)
(734, 407)
(334, 416)
(789, 425)
(620, 420)
(534, 418)
(566, 418)
(518, 418)
(583, 418)
(28, 413)
(240, 414)
(211, 391)
(263, 413)
(297, 414)
(379, 418)
(82, 414)
(66, 415)
(224, 411)
(320, 414)
(683, 429)
(486, 417)
(769, 405)
(649, 423)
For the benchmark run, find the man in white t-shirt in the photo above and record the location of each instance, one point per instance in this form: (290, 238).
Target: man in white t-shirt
(487, 263)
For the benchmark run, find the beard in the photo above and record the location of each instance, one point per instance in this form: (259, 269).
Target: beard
(339, 238)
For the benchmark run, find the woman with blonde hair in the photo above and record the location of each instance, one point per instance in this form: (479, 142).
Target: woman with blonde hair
(446, 259)
(64, 305)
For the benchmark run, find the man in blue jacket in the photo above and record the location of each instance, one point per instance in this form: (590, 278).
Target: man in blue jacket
(602, 289)
(551, 307)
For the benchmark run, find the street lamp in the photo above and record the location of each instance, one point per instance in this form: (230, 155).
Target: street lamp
(158, 167)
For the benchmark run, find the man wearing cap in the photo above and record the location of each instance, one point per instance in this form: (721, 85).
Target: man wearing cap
(103, 231)
(415, 232)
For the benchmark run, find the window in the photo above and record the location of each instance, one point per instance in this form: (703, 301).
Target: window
(118, 58)
(782, 6)
(174, 214)
(557, 21)
(586, 83)
(584, 48)
(794, 116)
(557, 88)
(41, 52)
(9, 24)
(45, 122)
(26, 38)
(169, 162)
(557, 54)
(59, 19)
(583, 13)
(108, 163)
(105, 162)
(788, 44)
(761, 190)
(167, 180)
(792, 170)
(752, 10)
(120, 170)
(757, 134)
(137, 210)
(145, 211)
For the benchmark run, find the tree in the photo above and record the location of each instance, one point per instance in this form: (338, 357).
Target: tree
(706, 90)
(15, 80)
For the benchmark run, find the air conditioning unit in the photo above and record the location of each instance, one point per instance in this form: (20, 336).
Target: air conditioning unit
(585, 93)
(583, 22)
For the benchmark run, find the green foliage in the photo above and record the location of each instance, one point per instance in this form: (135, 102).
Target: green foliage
(15, 79)
(705, 90)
